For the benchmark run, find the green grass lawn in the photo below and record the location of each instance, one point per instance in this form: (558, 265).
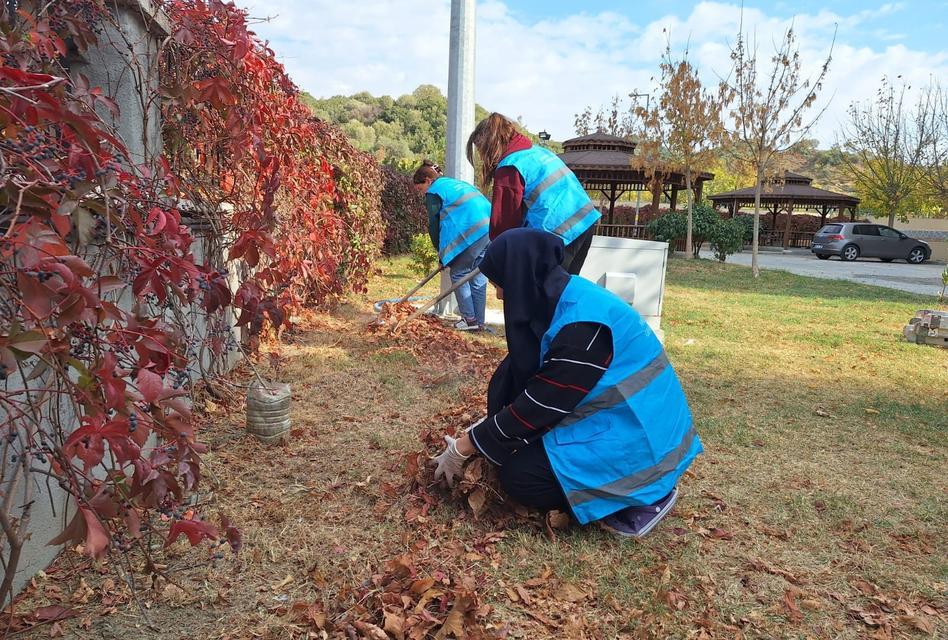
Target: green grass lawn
(825, 436)
(817, 511)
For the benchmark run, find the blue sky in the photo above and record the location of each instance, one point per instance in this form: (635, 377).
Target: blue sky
(546, 60)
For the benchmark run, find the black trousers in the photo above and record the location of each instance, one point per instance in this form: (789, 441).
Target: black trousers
(528, 478)
(576, 252)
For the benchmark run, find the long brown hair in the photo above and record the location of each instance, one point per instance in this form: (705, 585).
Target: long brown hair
(490, 138)
(427, 170)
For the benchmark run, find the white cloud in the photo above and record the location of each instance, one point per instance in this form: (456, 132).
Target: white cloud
(547, 70)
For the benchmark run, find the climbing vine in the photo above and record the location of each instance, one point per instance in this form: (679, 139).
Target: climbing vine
(108, 310)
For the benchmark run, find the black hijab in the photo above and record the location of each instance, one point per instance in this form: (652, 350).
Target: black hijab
(525, 263)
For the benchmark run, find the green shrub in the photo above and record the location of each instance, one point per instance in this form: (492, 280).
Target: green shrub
(674, 225)
(668, 228)
(424, 257)
(726, 237)
(747, 224)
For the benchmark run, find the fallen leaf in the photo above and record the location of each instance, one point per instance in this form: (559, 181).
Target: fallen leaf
(790, 602)
(370, 631)
(823, 413)
(524, 595)
(477, 499)
(918, 622)
(557, 519)
(282, 583)
(570, 593)
(721, 534)
(52, 613)
(454, 623)
(394, 624)
(873, 412)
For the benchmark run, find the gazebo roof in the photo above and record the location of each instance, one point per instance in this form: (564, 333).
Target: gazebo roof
(601, 156)
(598, 151)
(793, 188)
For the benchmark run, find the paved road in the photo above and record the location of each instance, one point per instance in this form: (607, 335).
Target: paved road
(922, 278)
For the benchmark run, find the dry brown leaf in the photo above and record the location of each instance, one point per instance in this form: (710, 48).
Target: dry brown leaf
(394, 624)
(557, 519)
(570, 593)
(454, 624)
(477, 499)
(282, 583)
(918, 622)
(790, 602)
(421, 585)
(370, 631)
(524, 595)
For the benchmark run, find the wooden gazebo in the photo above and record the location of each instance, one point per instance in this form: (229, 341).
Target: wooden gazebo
(604, 163)
(787, 194)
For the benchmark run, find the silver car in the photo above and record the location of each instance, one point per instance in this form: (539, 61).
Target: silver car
(852, 240)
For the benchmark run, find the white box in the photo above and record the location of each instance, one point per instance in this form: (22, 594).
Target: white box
(632, 269)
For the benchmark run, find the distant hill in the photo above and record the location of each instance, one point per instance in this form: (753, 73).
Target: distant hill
(398, 131)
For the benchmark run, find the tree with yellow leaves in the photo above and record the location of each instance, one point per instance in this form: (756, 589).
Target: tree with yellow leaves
(768, 109)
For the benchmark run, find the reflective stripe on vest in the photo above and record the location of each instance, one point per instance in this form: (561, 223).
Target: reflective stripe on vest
(618, 393)
(641, 478)
(464, 217)
(628, 442)
(556, 202)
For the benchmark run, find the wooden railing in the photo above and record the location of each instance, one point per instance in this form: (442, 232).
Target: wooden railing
(798, 239)
(633, 231)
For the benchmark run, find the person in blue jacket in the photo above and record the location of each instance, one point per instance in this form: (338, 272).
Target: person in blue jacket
(458, 218)
(531, 187)
(601, 427)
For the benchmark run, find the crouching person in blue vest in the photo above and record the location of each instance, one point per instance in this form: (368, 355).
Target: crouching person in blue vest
(458, 220)
(601, 426)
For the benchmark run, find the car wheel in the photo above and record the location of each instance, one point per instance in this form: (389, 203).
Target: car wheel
(849, 253)
(916, 256)
(886, 259)
(823, 256)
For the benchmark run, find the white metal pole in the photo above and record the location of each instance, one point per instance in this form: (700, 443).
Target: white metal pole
(460, 108)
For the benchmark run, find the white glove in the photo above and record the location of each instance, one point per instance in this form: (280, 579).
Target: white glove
(448, 465)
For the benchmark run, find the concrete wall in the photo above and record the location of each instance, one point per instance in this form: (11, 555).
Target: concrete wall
(125, 64)
(934, 231)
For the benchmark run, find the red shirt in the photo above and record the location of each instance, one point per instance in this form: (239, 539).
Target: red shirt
(507, 207)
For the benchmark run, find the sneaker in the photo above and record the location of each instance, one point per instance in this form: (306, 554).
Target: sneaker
(636, 522)
(466, 325)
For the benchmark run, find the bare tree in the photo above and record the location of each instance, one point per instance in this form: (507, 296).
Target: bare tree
(688, 119)
(935, 174)
(582, 122)
(768, 109)
(887, 142)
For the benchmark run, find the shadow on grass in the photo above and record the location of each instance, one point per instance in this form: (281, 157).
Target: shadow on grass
(713, 276)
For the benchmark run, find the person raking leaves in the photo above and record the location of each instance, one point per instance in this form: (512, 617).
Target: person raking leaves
(531, 187)
(595, 422)
(458, 219)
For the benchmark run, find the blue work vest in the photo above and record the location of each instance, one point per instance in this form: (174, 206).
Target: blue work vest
(632, 437)
(555, 199)
(464, 216)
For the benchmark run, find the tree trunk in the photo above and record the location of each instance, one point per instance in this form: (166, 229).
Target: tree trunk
(689, 253)
(892, 218)
(786, 230)
(755, 247)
